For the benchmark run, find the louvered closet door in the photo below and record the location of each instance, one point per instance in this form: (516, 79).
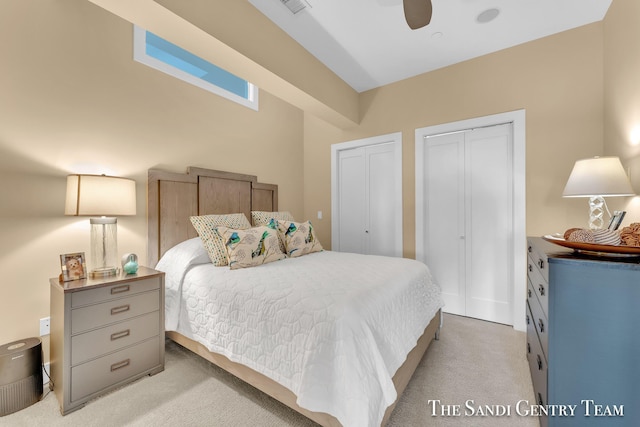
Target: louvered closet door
(469, 220)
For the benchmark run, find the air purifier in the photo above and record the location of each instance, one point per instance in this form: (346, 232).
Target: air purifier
(20, 375)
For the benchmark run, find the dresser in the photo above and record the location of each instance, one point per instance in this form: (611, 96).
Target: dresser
(105, 333)
(583, 339)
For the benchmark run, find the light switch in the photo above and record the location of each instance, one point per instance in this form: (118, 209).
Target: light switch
(319, 214)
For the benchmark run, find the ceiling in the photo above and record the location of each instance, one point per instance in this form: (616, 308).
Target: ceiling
(368, 43)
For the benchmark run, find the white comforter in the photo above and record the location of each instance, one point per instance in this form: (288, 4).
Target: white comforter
(331, 327)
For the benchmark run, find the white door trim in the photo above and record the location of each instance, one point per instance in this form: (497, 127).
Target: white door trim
(517, 118)
(393, 138)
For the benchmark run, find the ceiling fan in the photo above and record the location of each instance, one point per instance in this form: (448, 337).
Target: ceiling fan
(417, 13)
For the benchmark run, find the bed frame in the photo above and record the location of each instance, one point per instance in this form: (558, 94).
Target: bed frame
(174, 197)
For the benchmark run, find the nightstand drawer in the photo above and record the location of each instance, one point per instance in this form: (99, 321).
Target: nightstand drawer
(111, 338)
(107, 293)
(94, 316)
(101, 373)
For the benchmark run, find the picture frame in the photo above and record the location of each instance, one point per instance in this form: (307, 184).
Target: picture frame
(74, 266)
(616, 220)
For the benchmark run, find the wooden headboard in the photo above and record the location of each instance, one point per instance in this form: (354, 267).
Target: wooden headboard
(173, 197)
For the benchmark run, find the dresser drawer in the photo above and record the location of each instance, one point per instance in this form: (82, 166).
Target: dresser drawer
(537, 362)
(94, 316)
(111, 338)
(540, 322)
(538, 261)
(540, 286)
(106, 293)
(109, 370)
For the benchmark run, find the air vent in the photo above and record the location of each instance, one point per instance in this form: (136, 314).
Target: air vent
(295, 6)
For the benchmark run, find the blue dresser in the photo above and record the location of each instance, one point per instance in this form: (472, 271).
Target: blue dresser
(583, 336)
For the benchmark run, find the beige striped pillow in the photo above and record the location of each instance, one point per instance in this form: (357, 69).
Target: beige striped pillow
(206, 226)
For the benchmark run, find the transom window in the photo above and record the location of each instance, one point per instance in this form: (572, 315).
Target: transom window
(158, 53)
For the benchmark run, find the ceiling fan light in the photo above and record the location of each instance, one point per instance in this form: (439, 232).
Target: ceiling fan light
(488, 15)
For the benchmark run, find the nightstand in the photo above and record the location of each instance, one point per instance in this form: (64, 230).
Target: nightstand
(105, 333)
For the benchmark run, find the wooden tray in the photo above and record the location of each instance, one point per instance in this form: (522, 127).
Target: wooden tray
(591, 248)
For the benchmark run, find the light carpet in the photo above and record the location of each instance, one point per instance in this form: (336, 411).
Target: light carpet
(474, 360)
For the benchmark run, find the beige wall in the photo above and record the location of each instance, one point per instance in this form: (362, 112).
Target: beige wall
(622, 95)
(557, 80)
(73, 100)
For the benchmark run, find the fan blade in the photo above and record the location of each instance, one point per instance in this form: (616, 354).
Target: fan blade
(417, 13)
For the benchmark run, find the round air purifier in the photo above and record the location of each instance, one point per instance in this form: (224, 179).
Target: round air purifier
(20, 375)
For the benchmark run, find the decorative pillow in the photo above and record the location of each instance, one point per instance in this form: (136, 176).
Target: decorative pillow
(263, 218)
(299, 238)
(206, 226)
(271, 219)
(252, 247)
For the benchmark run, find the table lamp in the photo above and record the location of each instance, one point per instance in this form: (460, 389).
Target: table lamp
(596, 178)
(102, 197)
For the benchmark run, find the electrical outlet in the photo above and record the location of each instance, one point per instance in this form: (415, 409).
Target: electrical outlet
(45, 326)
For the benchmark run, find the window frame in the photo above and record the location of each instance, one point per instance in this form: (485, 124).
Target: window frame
(140, 55)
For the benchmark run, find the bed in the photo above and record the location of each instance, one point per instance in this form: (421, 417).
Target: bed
(282, 360)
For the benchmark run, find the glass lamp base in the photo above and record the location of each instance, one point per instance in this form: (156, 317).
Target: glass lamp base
(104, 247)
(596, 220)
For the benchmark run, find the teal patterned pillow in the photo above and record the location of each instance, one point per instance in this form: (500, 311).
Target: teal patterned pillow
(270, 219)
(252, 247)
(299, 238)
(206, 226)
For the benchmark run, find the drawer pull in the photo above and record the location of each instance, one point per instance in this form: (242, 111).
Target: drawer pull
(121, 334)
(541, 263)
(529, 292)
(529, 248)
(539, 363)
(541, 290)
(540, 325)
(528, 348)
(528, 321)
(120, 365)
(530, 267)
(119, 289)
(120, 309)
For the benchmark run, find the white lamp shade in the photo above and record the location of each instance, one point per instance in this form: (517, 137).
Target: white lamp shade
(96, 195)
(599, 176)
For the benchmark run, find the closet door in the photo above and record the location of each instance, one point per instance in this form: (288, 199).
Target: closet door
(445, 218)
(380, 212)
(351, 201)
(489, 223)
(469, 220)
(366, 212)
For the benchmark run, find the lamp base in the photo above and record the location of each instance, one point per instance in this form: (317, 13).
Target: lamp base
(102, 272)
(104, 247)
(596, 220)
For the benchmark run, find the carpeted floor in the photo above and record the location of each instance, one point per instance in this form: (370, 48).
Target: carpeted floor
(474, 363)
